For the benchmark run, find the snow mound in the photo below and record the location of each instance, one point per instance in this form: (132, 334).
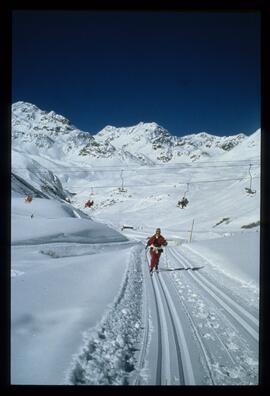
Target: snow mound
(108, 356)
(237, 256)
(48, 221)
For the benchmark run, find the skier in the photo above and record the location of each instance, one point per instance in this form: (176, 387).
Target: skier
(156, 242)
(28, 198)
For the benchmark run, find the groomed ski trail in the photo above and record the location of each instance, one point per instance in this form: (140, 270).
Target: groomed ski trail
(189, 347)
(170, 363)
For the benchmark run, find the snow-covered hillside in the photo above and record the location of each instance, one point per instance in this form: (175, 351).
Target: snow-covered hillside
(84, 308)
(37, 131)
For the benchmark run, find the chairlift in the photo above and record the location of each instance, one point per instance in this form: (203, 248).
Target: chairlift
(88, 204)
(249, 191)
(184, 201)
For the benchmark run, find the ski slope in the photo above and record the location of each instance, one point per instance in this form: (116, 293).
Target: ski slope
(84, 309)
(196, 322)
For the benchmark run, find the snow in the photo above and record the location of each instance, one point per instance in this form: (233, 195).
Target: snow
(40, 348)
(114, 340)
(233, 255)
(83, 307)
(48, 323)
(61, 225)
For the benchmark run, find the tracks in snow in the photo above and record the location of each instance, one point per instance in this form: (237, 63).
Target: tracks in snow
(226, 331)
(173, 364)
(185, 369)
(211, 339)
(245, 319)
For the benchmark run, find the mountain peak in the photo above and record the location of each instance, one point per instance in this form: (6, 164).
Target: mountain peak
(26, 110)
(141, 125)
(136, 136)
(151, 125)
(24, 106)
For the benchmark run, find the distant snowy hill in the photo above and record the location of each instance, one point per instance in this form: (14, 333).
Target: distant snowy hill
(248, 148)
(40, 132)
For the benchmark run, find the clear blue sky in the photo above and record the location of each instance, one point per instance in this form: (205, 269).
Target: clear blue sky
(189, 71)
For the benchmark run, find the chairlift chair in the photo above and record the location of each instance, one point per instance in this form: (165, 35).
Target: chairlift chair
(88, 204)
(184, 201)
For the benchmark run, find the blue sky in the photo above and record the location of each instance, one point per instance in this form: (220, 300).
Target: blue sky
(188, 71)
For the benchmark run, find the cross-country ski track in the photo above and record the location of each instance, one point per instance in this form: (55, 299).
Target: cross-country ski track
(198, 332)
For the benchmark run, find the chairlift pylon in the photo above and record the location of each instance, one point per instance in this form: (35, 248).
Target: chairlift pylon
(122, 189)
(187, 190)
(249, 189)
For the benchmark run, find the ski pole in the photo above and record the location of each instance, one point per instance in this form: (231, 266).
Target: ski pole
(166, 258)
(146, 256)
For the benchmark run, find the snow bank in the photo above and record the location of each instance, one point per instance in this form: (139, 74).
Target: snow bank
(55, 222)
(237, 256)
(58, 292)
(108, 356)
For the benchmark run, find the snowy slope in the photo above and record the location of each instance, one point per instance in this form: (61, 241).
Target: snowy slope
(45, 225)
(248, 149)
(54, 248)
(84, 309)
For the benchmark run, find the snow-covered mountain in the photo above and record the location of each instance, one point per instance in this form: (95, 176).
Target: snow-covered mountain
(153, 141)
(249, 148)
(37, 131)
(52, 158)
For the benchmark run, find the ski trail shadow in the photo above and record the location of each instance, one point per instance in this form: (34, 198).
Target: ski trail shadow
(181, 269)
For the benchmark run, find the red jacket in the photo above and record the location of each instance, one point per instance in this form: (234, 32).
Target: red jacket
(160, 241)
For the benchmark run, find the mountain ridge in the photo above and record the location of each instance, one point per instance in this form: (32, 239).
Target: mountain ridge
(143, 143)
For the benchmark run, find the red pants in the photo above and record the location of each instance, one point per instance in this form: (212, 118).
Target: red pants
(154, 258)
